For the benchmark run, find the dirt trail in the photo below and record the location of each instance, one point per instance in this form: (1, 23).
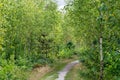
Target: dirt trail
(62, 73)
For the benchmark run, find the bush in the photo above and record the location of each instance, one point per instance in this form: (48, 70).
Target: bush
(9, 71)
(112, 65)
(90, 60)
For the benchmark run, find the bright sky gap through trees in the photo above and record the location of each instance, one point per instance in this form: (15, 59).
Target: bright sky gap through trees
(61, 4)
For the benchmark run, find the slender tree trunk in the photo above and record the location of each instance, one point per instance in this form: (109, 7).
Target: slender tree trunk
(101, 47)
(101, 59)
(101, 54)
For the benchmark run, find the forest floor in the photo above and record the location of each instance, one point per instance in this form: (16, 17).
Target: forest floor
(57, 72)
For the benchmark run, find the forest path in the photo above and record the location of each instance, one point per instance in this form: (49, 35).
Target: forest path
(57, 73)
(63, 72)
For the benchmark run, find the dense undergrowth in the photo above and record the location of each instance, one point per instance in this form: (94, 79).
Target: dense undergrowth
(91, 65)
(30, 35)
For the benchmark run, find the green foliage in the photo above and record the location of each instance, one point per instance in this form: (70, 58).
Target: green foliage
(112, 65)
(35, 32)
(10, 71)
(67, 51)
(2, 33)
(90, 19)
(30, 32)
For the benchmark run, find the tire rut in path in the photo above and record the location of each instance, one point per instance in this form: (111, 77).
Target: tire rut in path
(62, 73)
